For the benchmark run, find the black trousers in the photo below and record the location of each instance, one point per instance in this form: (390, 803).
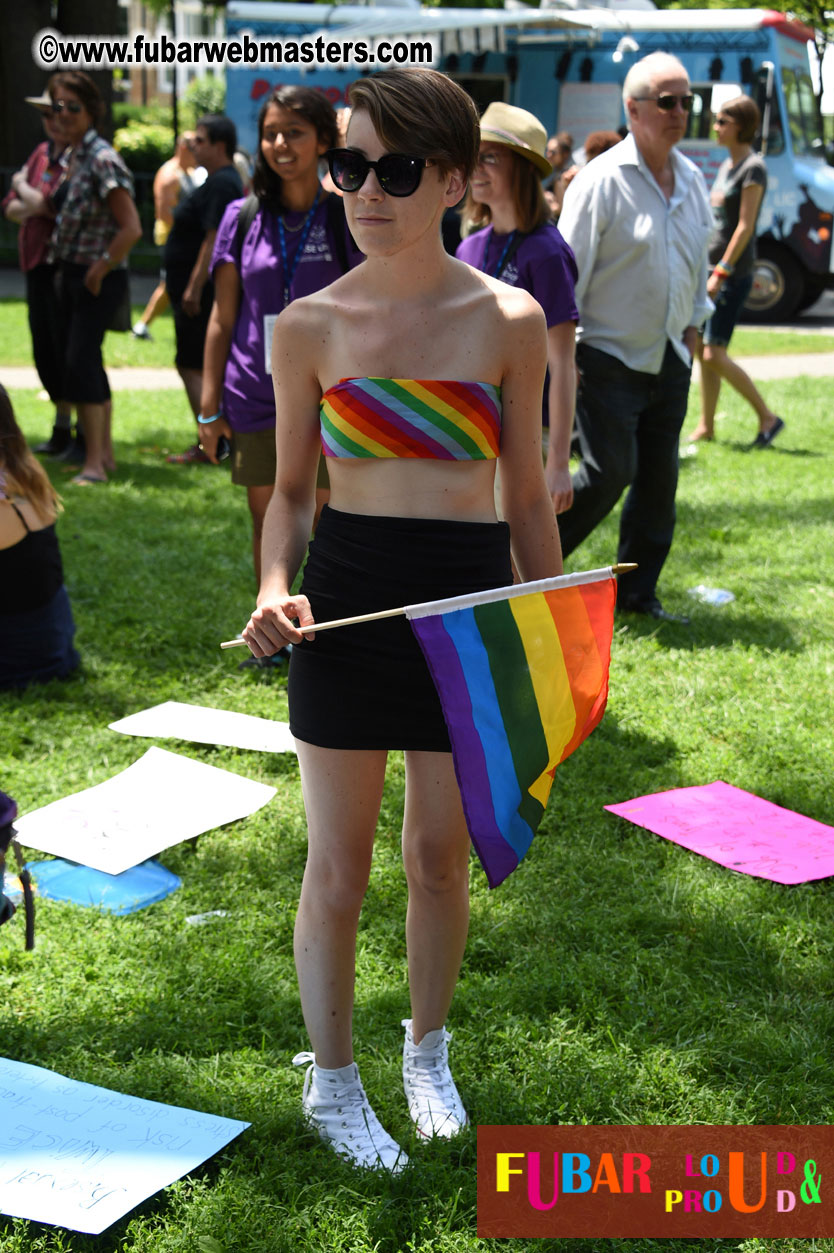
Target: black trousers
(46, 329)
(86, 318)
(628, 424)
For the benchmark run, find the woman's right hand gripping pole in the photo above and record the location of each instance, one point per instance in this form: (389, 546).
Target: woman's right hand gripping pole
(271, 626)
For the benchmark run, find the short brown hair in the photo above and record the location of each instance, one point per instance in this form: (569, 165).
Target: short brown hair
(745, 113)
(529, 205)
(421, 113)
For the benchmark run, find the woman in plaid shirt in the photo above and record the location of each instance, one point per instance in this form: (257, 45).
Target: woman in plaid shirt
(96, 227)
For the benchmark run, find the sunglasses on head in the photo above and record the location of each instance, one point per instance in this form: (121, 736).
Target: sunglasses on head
(397, 174)
(71, 106)
(666, 101)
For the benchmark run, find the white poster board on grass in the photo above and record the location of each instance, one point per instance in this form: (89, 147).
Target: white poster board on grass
(162, 799)
(79, 1156)
(175, 720)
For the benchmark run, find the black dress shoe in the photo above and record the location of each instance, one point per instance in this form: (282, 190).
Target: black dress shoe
(58, 442)
(653, 609)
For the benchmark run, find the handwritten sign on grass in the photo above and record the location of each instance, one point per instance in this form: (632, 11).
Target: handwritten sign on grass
(79, 1156)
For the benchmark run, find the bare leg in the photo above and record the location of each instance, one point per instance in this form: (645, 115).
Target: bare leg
(193, 380)
(157, 304)
(738, 379)
(710, 388)
(342, 795)
(436, 859)
(93, 419)
(259, 498)
(107, 444)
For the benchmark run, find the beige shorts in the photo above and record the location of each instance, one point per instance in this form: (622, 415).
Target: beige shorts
(253, 460)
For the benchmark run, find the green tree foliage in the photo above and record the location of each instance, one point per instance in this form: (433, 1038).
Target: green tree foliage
(204, 95)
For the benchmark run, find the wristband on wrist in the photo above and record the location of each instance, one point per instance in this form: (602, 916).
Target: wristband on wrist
(205, 421)
(723, 270)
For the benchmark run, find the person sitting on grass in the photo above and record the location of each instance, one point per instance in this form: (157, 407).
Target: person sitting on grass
(413, 373)
(36, 626)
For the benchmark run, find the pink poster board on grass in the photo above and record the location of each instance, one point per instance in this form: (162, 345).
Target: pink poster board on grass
(738, 830)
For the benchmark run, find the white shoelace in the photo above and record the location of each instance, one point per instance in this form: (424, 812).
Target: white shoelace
(434, 1102)
(346, 1119)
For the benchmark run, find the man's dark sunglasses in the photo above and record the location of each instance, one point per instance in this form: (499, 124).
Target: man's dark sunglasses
(397, 175)
(71, 106)
(667, 102)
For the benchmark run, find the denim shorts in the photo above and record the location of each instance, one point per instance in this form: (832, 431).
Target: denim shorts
(728, 305)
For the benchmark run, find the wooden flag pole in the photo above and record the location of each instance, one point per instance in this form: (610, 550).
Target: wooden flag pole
(621, 568)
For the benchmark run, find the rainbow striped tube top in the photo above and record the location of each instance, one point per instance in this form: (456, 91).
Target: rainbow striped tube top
(376, 417)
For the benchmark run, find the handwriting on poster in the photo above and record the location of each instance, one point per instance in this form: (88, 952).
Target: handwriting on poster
(81, 1156)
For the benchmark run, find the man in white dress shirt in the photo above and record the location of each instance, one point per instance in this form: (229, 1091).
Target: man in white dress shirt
(638, 220)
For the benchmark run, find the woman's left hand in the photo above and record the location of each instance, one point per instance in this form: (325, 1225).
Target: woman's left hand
(714, 285)
(95, 276)
(560, 486)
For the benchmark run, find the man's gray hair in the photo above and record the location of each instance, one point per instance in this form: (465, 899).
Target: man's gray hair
(638, 80)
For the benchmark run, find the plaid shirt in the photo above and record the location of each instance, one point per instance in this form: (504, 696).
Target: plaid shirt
(85, 225)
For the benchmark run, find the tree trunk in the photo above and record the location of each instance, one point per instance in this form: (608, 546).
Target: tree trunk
(20, 124)
(93, 17)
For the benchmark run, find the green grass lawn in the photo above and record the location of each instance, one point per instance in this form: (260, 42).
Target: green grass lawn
(614, 978)
(120, 349)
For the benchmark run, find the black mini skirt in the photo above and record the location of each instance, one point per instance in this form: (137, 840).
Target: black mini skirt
(368, 686)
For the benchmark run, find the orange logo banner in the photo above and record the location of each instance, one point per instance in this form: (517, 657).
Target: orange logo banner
(621, 1182)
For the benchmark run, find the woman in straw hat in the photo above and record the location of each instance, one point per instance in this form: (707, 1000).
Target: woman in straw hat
(414, 374)
(519, 244)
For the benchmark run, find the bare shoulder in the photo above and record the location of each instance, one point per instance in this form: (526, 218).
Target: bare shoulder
(508, 306)
(518, 315)
(304, 325)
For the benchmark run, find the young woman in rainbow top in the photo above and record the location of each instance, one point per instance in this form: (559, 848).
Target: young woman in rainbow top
(414, 373)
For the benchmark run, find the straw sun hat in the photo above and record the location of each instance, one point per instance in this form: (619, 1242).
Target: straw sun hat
(519, 130)
(40, 102)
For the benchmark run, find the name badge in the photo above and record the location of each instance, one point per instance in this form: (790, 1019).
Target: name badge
(269, 327)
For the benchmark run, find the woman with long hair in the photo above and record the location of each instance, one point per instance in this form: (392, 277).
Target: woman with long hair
(294, 242)
(736, 199)
(36, 626)
(96, 227)
(515, 240)
(415, 375)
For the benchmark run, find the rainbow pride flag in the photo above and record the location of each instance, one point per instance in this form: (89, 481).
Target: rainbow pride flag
(522, 676)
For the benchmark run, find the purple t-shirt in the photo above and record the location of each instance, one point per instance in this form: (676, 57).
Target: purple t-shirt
(543, 264)
(248, 398)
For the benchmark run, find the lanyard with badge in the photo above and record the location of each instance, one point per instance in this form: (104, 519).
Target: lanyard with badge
(496, 273)
(289, 273)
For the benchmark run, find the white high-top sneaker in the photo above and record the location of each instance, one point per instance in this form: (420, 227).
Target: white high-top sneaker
(433, 1100)
(336, 1106)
